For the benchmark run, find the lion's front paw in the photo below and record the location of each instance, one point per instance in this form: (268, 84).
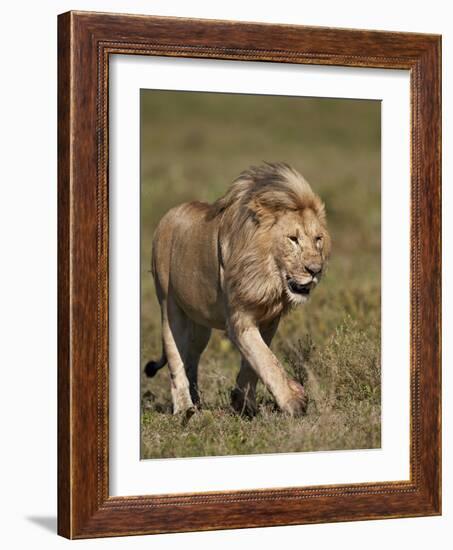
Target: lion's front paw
(242, 403)
(297, 404)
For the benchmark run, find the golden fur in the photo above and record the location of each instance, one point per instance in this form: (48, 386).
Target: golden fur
(238, 265)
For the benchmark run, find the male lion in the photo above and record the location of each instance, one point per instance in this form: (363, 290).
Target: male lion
(238, 265)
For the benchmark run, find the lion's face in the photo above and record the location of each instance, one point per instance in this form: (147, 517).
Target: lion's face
(301, 246)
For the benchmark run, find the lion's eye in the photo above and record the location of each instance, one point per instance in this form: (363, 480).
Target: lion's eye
(293, 239)
(318, 241)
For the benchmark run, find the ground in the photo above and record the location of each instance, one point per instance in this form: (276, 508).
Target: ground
(193, 146)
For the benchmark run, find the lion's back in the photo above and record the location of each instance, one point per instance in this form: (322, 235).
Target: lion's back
(185, 251)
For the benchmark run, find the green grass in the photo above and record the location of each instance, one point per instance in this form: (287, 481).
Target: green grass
(193, 146)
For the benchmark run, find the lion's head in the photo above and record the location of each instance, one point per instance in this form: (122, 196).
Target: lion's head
(274, 239)
(300, 248)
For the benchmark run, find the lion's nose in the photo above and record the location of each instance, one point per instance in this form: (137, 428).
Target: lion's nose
(313, 268)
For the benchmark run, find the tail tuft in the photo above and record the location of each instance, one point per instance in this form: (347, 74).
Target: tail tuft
(151, 368)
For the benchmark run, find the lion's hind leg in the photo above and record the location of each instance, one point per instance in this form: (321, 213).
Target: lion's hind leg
(176, 337)
(198, 340)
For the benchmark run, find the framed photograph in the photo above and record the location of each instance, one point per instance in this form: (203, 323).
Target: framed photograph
(249, 275)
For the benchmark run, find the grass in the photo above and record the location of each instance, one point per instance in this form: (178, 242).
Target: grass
(193, 146)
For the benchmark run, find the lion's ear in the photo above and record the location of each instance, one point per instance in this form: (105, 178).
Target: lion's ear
(321, 211)
(260, 213)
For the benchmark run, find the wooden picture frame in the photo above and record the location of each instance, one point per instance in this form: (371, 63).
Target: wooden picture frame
(85, 42)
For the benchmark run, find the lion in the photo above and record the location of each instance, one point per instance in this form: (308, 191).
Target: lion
(238, 265)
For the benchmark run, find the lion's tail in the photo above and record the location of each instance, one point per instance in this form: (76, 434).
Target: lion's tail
(152, 367)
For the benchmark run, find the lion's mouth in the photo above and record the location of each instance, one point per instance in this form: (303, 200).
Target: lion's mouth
(299, 288)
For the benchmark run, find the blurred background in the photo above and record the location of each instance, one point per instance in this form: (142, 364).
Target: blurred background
(193, 145)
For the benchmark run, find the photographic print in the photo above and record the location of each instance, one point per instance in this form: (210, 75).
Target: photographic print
(238, 240)
(260, 274)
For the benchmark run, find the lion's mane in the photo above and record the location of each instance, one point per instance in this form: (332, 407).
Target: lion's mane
(246, 212)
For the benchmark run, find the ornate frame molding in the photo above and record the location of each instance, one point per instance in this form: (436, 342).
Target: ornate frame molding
(86, 40)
